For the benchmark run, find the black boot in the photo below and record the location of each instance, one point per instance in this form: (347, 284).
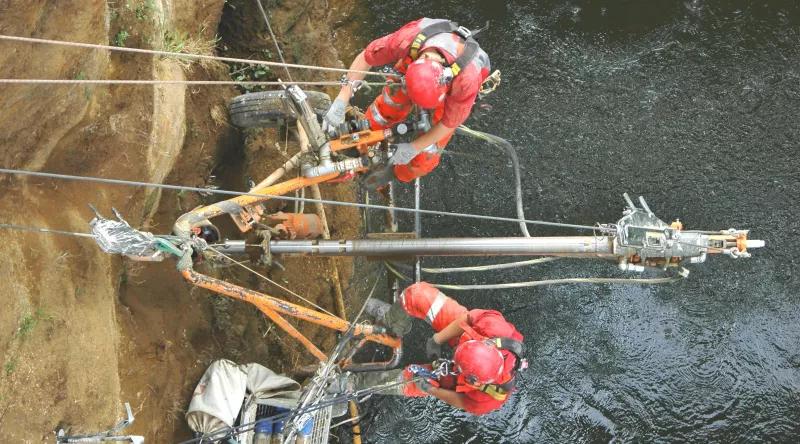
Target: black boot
(393, 316)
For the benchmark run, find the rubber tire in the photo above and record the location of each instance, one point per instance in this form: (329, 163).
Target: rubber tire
(269, 109)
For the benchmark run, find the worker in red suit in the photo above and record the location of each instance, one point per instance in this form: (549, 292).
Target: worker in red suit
(443, 67)
(487, 354)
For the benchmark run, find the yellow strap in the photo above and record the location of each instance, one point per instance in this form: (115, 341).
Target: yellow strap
(416, 45)
(495, 392)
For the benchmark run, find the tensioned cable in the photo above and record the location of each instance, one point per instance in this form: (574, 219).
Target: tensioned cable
(274, 40)
(185, 55)
(323, 374)
(169, 82)
(289, 198)
(45, 230)
(269, 280)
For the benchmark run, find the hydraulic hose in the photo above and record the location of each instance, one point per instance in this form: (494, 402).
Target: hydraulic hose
(512, 153)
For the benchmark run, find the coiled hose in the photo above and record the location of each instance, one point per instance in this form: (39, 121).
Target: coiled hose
(512, 153)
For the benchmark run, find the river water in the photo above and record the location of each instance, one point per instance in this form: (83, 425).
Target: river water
(693, 105)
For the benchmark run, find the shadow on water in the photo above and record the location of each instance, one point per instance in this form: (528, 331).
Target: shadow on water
(695, 106)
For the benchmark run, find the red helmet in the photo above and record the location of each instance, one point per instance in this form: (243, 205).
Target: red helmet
(425, 83)
(480, 362)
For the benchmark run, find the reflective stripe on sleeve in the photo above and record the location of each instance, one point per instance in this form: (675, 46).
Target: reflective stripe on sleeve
(436, 307)
(388, 100)
(378, 116)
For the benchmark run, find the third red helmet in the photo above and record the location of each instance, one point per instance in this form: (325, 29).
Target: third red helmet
(425, 83)
(480, 362)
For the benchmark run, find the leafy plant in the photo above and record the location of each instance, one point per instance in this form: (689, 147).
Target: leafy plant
(121, 37)
(248, 73)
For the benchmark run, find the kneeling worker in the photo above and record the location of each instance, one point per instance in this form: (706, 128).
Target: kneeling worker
(488, 350)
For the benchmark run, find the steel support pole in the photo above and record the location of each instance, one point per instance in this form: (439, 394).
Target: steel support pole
(417, 226)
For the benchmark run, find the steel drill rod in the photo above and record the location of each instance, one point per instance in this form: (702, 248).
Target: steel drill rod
(596, 246)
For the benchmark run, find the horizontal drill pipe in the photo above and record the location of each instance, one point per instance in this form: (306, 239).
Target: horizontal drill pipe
(595, 246)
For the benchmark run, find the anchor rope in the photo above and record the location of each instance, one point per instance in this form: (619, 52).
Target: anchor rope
(301, 199)
(186, 55)
(171, 82)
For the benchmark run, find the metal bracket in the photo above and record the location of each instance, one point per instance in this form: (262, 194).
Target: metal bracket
(107, 436)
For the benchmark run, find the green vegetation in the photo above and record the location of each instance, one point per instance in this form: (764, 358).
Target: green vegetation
(175, 41)
(121, 37)
(10, 366)
(30, 321)
(241, 72)
(144, 10)
(27, 325)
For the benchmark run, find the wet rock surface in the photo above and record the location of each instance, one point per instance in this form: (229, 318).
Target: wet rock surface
(691, 104)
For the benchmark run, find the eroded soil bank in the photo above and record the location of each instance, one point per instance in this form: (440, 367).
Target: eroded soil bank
(81, 332)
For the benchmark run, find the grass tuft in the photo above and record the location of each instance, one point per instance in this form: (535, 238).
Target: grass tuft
(10, 366)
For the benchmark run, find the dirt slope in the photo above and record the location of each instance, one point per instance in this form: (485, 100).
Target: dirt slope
(82, 332)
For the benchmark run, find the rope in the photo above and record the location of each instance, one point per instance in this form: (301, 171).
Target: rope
(490, 266)
(269, 280)
(168, 82)
(185, 55)
(289, 198)
(45, 230)
(647, 281)
(274, 40)
(322, 375)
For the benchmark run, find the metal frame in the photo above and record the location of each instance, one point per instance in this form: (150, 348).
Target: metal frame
(274, 308)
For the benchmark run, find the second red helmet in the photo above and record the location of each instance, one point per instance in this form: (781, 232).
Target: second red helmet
(425, 83)
(479, 362)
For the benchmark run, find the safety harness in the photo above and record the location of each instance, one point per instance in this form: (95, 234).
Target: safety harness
(501, 391)
(471, 47)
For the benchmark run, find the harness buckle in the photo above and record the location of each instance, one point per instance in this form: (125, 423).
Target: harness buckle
(447, 76)
(463, 32)
(355, 85)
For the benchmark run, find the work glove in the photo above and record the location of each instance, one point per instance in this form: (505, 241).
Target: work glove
(335, 116)
(403, 154)
(433, 349)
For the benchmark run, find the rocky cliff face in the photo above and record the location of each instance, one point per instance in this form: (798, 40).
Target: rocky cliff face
(81, 332)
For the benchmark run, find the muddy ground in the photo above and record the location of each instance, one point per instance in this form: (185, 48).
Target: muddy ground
(81, 332)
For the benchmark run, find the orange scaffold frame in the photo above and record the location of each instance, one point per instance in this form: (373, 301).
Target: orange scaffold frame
(275, 308)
